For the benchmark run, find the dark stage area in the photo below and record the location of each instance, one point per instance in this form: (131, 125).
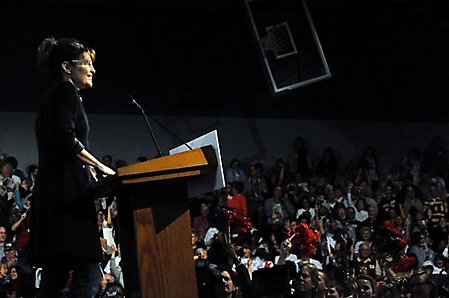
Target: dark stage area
(388, 59)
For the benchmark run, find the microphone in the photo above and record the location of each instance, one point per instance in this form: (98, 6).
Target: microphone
(130, 99)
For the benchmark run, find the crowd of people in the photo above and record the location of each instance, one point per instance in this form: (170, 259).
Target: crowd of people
(302, 228)
(18, 278)
(311, 228)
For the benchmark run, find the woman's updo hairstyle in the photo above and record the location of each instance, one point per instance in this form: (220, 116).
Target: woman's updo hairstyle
(52, 52)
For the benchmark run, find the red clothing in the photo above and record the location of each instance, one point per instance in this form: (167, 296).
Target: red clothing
(22, 235)
(201, 224)
(237, 203)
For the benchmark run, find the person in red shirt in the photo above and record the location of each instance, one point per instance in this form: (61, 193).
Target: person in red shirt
(201, 223)
(236, 200)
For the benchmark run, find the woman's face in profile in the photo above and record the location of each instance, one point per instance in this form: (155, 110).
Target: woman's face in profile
(82, 72)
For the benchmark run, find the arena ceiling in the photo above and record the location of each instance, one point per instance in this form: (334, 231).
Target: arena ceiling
(388, 58)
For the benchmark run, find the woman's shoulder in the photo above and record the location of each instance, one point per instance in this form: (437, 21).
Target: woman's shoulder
(65, 86)
(61, 87)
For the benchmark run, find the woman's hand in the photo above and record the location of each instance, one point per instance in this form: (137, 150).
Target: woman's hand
(106, 170)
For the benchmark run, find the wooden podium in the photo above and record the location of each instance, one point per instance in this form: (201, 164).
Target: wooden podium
(154, 222)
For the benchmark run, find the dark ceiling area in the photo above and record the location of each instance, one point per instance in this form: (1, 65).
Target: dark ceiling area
(388, 58)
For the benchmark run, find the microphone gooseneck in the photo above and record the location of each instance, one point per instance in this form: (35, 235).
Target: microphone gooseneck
(130, 99)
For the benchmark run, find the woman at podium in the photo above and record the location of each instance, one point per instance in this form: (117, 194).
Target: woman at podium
(64, 236)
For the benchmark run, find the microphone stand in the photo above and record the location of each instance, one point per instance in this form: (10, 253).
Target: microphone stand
(160, 124)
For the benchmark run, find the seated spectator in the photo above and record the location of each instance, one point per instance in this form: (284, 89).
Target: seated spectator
(277, 176)
(331, 199)
(306, 283)
(21, 230)
(348, 229)
(12, 258)
(12, 161)
(255, 190)
(224, 286)
(300, 160)
(422, 285)
(420, 249)
(434, 205)
(440, 262)
(105, 281)
(196, 241)
(113, 266)
(305, 207)
(4, 273)
(234, 173)
(22, 282)
(3, 238)
(201, 223)
(411, 200)
(278, 207)
(365, 286)
(9, 180)
(236, 200)
(30, 179)
(364, 237)
(335, 290)
(366, 262)
(373, 222)
(250, 261)
(386, 201)
(113, 289)
(106, 228)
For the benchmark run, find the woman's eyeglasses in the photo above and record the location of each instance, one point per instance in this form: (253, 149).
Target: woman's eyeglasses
(83, 62)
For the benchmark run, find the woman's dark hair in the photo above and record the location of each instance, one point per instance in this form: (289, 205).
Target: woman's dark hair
(235, 160)
(31, 169)
(238, 185)
(365, 204)
(367, 278)
(53, 52)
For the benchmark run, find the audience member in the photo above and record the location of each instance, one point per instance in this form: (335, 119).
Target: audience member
(278, 208)
(12, 161)
(328, 165)
(278, 175)
(366, 262)
(422, 285)
(3, 238)
(201, 223)
(414, 158)
(234, 173)
(300, 160)
(255, 190)
(434, 206)
(420, 248)
(12, 258)
(411, 200)
(236, 200)
(113, 289)
(364, 287)
(306, 283)
(114, 267)
(368, 162)
(22, 282)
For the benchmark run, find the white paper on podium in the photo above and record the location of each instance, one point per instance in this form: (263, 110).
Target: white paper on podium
(205, 183)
